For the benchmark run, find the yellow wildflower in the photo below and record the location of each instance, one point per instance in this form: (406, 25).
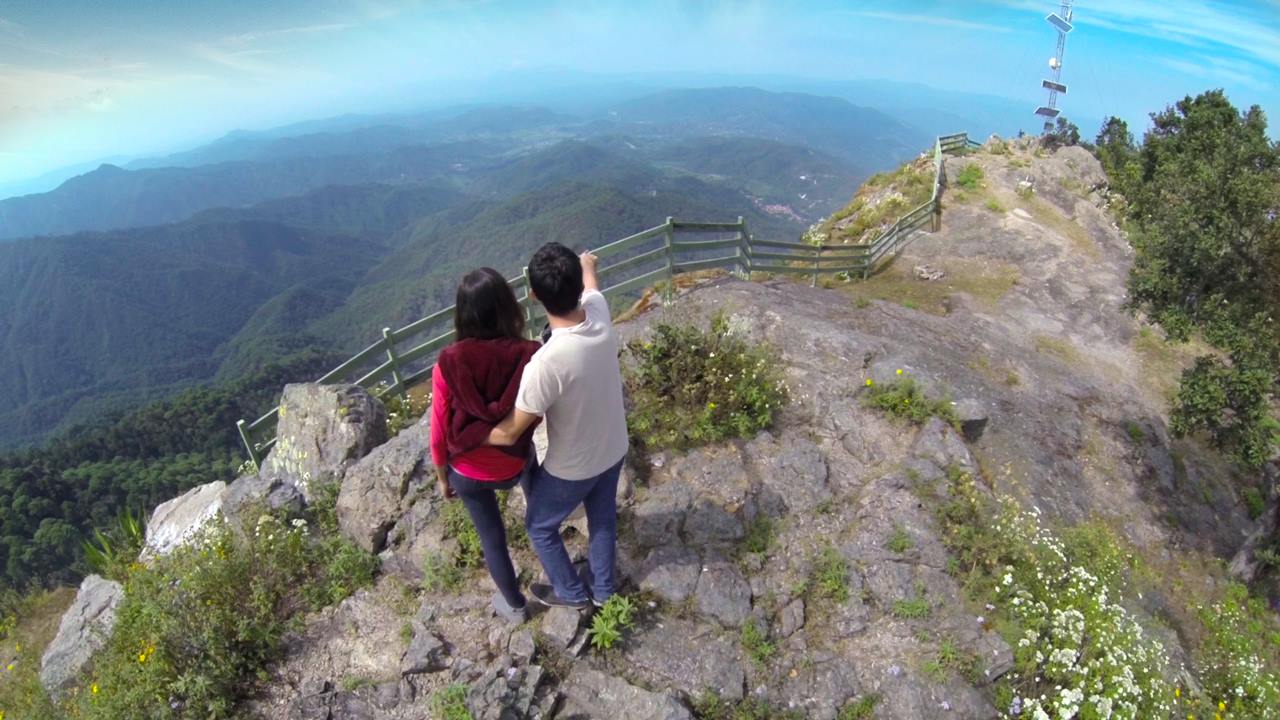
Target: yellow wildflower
(142, 657)
(1177, 692)
(94, 688)
(899, 371)
(1222, 706)
(868, 382)
(8, 668)
(711, 406)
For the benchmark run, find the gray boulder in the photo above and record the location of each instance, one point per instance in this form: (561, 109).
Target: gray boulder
(723, 594)
(378, 490)
(177, 521)
(506, 693)
(670, 572)
(426, 654)
(592, 694)
(84, 629)
(560, 625)
(324, 429)
(260, 492)
(690, 657)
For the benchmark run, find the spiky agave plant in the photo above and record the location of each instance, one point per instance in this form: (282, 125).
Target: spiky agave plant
(110, 553)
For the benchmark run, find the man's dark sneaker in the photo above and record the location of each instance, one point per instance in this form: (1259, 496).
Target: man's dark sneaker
(546, 595)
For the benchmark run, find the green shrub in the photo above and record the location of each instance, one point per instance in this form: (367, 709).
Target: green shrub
(1240, 656)
(912, 608)
(611, 621)
(900, 541)
(441, 574)
(1135, 432)
(830, 579)
(905, 398)
(970, 178)
(450, 703)
(710, 706)
(755, 642)
(1078, 651)
(197, 627)
(1254, 501)
(690, 387)
(759, 537)
(458, 525)
(864, 708)
(994, 206)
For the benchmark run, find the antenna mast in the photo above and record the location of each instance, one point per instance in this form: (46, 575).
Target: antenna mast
(1061, 21)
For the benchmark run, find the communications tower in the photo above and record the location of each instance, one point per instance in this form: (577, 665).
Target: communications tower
(1061, 21)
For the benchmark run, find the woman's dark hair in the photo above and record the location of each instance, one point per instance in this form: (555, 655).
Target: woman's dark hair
(486, 307)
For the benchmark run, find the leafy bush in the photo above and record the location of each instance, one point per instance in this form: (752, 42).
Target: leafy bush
(906, 399)
(450, 703)
(863, 708)
(610, 621)
(710, 706)
(1078, 652)
(970, 177)
(196, 628)
(1240, 655)
(689, 387)
(830, 579)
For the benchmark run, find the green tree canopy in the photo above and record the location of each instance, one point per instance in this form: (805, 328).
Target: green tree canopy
(1204, 207)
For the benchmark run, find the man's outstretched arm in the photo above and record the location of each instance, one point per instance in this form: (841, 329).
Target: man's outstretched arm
(590, 280)
(511, 428)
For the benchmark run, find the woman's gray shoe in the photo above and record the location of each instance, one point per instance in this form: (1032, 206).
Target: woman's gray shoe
(515, 616)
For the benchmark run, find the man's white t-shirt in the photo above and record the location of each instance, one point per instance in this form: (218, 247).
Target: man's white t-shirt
(575, 383)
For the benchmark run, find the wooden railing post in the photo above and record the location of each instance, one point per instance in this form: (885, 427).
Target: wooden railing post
(817, 257)
(248, 445)
(397, 385)
(526, 302)
(671, 253)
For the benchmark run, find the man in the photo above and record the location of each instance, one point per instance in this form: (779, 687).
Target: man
(575, 383)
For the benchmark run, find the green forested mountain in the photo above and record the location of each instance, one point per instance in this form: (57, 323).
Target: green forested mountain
(51, 497)
(112, 197)
(315, 238)
(93, 315)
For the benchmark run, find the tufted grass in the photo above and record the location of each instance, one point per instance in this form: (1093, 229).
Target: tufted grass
(27, 626)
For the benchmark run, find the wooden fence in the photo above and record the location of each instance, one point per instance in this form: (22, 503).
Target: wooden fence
(404, 357)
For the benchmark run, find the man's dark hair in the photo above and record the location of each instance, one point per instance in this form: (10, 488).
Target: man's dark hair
(486, 307)
(555, 275)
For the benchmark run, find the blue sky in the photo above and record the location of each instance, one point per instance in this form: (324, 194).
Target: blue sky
(88, 79)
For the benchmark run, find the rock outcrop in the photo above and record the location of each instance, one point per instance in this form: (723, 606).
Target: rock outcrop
(322, 430)
(177, 521)
(83, 630)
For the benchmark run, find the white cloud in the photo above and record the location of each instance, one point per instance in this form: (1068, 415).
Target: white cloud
(1249, 30)
(251, 37)
(930, 20)
(100, 102)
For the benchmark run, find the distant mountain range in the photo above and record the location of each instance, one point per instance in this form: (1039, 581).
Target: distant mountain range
(127, 283)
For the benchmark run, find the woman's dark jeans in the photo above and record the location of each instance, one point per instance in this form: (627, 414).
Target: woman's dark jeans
(482, 504)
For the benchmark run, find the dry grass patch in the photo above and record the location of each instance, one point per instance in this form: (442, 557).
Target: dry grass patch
(34, 621)
(1051, 217)
(1060, 348)
(986, 282)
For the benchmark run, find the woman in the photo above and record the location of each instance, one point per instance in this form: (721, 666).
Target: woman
(473, 387)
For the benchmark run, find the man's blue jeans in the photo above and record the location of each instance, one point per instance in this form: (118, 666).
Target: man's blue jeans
(550, 501)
